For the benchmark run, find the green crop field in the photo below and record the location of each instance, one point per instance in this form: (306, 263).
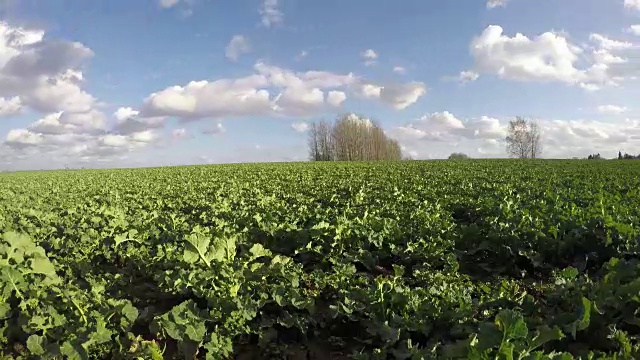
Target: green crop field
(480, 259)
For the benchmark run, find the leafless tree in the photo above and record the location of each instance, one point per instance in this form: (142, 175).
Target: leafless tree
(351, 138)
(524, 139)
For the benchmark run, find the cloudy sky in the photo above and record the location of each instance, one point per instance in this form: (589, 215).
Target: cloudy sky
(163, 82)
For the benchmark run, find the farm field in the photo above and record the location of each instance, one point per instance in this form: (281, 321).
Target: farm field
(479, 259)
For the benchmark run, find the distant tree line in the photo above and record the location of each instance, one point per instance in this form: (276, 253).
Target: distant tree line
(621, 156)
(351, 138)
(458, 156)
(627, 156)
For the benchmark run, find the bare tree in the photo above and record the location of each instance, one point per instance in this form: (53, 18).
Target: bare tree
(351, 138)
(523, 139)
(314, 149)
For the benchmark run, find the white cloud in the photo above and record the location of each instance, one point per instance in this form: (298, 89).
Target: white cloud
(468, 76)
(611, 109)
(550, 57)
(300, 126)
(609, 44)
(301, 55)
(168, 3)
(446, 127)
(129, 121)
(496, 3)
(336, 98)
(299, 100)
(399, 70)
(45, 74)
(92, 122)
(238, 45)
(634, 29)
(272, 91)
(145, 136)
(22, 137)
(10, 106)
(632, 4)
(402, 96)
(369, 56)
(443, 133)
(270, 13)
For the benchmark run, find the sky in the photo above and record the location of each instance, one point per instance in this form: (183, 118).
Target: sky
(121, 83)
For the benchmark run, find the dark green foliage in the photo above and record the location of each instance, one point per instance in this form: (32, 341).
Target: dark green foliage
(482, 259)
(458, 156)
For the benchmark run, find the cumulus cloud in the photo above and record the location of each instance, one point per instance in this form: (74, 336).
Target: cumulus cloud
(632, 4)
(238, 45)
(129, 121)
(402, 95)
(168, 3)
(369, 57)
(468, 76)
(273, 91)
(634, 29)
(336, 98)
(10, 106)
(399, 70)
(300, 126)
(444, 126)
(496, 3)
(270, 13)
(611, 109)
(551, 57)
(45, 74)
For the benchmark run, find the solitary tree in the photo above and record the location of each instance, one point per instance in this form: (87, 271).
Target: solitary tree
(523, 139)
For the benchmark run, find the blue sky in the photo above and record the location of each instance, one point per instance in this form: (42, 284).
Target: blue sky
(570, 65)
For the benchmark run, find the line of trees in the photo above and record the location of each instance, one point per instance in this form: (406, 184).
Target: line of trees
(459, 156)
(627, 156)
(351, 138)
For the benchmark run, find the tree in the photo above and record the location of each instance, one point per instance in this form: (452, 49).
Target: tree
(458, 156)
(523, 139)
(351, 138)
(619, 155)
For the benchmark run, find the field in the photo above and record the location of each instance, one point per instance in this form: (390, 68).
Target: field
(482, 259)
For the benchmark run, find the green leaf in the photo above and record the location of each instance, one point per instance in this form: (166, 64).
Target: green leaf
(584, 318)
(35, 345)
(73, 352)
(196, 249)
(12, 279)
(130, 312)
(42, 265)
(218, 347)
(257, 250)
(489, 337)
(196, 331)
(511, 324)
(545, 334)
